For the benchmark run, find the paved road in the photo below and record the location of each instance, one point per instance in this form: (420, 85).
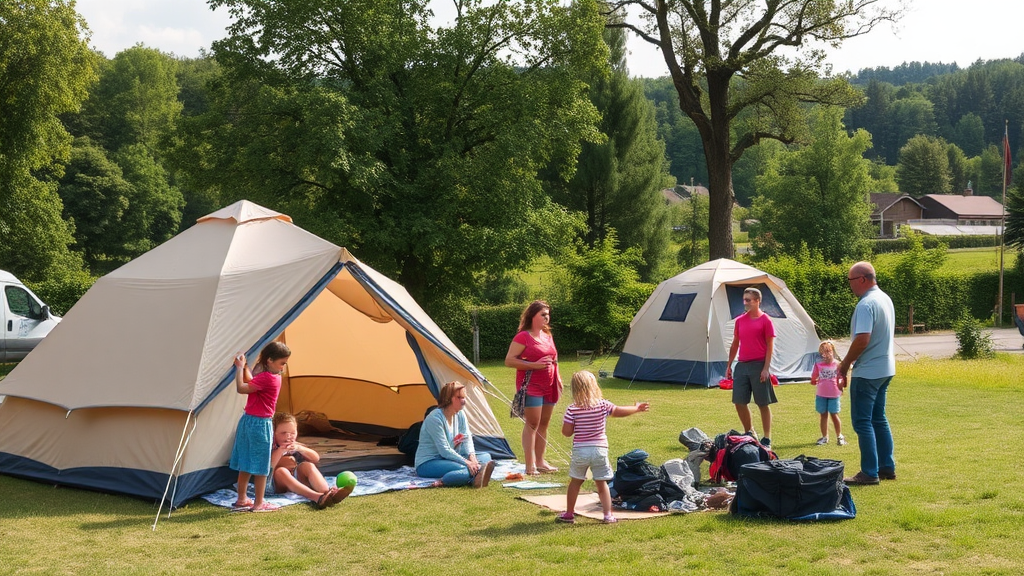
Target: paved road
(944, 344)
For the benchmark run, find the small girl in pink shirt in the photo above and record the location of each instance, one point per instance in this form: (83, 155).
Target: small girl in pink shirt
(255, 432)
(826, 402)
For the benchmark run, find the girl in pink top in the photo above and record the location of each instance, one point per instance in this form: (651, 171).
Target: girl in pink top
(585, 421)
(255, 432)
(532, 353)
(825, 377)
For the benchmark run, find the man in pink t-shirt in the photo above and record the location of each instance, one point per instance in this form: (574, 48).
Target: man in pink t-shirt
(754, 338)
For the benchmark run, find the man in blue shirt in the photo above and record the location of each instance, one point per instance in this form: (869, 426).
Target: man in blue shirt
(871, 353)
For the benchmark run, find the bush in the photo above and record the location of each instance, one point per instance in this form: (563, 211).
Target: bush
(885, 245)
(820, 287)
(62, 293)
(598, 294)
(972, 342)
(939, 299)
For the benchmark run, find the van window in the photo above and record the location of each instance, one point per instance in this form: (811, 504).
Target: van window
(21, 303)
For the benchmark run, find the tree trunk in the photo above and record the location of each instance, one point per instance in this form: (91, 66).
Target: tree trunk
(719, 207)
(717, 138)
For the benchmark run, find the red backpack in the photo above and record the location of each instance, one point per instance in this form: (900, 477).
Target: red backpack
(731, 451)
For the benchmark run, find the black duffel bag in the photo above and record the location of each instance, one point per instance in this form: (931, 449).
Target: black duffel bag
(632, 472)
(793, 489)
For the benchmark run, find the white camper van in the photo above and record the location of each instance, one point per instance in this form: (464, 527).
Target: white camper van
(24, 319)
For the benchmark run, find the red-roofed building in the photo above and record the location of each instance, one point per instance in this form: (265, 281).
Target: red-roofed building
(965, 210)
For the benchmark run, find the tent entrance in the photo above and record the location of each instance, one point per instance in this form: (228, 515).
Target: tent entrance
(353, 379)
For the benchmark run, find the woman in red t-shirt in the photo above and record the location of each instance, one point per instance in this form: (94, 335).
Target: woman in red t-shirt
(532, 353)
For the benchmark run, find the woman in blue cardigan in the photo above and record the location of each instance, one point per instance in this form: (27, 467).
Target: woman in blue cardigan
(446, 445)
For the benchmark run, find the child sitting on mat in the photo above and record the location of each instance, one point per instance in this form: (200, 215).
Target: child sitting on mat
(295, 468)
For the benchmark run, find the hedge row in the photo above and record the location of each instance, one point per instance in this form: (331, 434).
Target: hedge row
(884, 245)
(822, 289)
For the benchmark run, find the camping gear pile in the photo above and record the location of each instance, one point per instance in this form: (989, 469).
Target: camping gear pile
(804, 488)
(642, 486)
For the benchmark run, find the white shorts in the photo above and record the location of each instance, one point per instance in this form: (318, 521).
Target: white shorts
(593, 457)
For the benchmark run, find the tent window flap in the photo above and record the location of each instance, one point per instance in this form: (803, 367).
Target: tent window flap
(677, 307)
(769, 305)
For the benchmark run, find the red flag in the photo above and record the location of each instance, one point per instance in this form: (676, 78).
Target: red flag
(1007, 164)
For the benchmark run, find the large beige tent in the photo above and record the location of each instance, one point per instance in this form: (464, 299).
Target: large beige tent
(683, 332)
(134, 392)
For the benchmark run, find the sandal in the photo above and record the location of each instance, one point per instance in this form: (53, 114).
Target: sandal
(242, 506)
(339, 495)
(547, 469)
(567, 517)
(325, 499)
(609, 519)
(266, 507)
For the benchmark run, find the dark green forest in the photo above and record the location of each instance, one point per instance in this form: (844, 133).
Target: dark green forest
(964, 107)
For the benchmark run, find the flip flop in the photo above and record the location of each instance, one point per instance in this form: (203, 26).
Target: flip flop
(243, 507)
(547, 469)
(265, 507)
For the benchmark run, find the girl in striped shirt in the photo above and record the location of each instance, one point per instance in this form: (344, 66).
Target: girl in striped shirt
(585, 421)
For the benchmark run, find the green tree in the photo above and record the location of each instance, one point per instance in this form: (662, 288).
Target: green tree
(708, 46)
(969, 134)
(128, 120)
(958, 167)
(817, 196)
(618, 182)
(883, 176)
(690, 230)
(416, 145)
(46, 68)
(95, 197)
(119, 213)
(924, 166)
(989, 172)
(135, 101)
(1014, 235)
(598, 292)
(910, 116)
(683, 146)
(875, 117)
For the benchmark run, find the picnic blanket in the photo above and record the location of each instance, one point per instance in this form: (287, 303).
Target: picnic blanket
(369, 482)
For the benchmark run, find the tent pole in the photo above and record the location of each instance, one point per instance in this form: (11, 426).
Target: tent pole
(174, 491)
(170, 475)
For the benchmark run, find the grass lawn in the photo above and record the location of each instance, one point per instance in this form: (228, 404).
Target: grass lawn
(965, 260)
(957, 508)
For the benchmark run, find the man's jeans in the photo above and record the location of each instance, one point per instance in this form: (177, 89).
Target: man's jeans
(867, 409)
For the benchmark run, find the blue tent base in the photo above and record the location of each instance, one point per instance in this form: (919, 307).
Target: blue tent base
(698, 372)
(143, 484)
(707, 374)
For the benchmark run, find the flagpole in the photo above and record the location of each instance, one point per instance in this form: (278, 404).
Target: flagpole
(1002, 226)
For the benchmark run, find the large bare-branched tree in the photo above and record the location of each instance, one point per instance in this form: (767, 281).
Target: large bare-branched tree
(745, 70)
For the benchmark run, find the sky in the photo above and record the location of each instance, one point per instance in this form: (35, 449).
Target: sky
(932, 30)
